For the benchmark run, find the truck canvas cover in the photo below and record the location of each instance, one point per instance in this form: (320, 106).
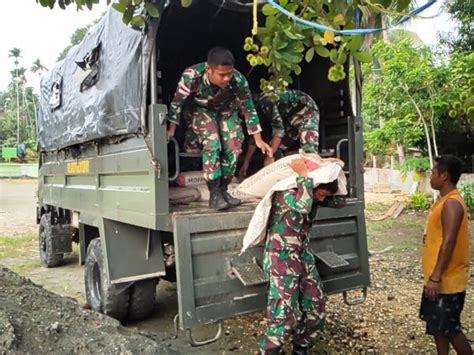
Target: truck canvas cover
(96, 91)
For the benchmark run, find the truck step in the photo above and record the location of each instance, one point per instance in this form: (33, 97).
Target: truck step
(331, 259)
(250, 274)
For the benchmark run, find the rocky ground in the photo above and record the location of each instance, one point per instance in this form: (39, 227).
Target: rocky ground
(35, 320)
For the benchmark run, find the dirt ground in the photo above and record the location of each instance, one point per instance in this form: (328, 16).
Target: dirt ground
(42, 310)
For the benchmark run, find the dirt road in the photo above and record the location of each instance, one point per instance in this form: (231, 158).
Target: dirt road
(17, 206)
(386, 323)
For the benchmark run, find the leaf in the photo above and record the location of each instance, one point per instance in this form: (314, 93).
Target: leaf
(124, 3)
(322, 51)
(279, 43)
(333, 55)
(339, 20)
(269, 10)
(341, 57)
(329, 36)
(137, 2)
(151, 9)
(293, 35)
(355, 43)
(297, 69)
(127, 15)
(137, 21)
(309, 55)
(283, 2)
(288, 56)
(119, 7)
(362, 57)
(45, 3)
(185, 3)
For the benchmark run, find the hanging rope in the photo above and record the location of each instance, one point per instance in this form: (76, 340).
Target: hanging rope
(255, 18)
(354, 32)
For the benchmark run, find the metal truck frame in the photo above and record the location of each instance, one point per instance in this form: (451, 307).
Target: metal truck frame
(112, 199)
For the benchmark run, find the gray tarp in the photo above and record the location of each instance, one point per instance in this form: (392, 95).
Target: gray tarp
(106, 107)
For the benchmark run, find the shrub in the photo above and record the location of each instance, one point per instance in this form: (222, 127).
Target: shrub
(418, 201)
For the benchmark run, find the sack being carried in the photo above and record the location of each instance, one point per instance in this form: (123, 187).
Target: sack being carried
(279, 177)
(260, 183)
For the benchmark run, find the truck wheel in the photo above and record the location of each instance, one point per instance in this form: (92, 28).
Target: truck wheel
(101, 295)
(47, 257)
(142, 299)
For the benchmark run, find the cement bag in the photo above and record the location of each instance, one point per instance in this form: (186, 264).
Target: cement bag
(322, 171)
(190, 178)
(232, 190)
(260, 183)
(179, 195)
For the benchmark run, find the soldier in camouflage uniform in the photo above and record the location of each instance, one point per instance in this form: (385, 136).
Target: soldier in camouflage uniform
(289, 264)
(217, 93)
(294, 121)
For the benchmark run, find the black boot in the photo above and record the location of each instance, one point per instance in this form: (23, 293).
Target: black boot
(232, 201)
(216, 200)
(299, 350)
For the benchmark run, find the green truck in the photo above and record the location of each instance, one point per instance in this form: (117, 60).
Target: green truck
(106, 168)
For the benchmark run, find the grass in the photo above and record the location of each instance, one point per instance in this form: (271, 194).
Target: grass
(13, 246)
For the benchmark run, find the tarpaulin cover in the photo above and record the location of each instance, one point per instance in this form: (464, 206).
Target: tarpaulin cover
(96, 91)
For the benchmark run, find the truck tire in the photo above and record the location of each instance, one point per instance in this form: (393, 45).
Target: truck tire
(45, 236)
(142, 299)
(101, 295)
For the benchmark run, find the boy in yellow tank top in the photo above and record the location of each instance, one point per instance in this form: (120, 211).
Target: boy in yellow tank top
(445, 260)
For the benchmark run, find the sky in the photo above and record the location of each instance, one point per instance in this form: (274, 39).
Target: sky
(43, 33)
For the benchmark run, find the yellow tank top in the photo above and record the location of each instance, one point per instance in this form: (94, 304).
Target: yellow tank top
(455, 277)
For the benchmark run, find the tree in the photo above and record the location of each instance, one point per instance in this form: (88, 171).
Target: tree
(463, 13)
(282, 44)
(15, 53)
(406, 94)
(38, 67)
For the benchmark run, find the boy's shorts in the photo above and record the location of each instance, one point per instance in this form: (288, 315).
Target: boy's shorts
(443, 316)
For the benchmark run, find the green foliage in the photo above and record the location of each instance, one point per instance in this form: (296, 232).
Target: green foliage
(467, 193)
(418, 201)
(462, 12)
(417, 164)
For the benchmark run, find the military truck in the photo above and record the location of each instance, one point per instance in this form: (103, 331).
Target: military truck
(106, 168)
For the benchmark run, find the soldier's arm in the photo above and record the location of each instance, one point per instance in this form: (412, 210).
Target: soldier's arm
(245, 104)
(301, 198)
(186, 87)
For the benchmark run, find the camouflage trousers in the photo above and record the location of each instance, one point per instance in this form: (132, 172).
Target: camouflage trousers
(296, 300)
(220, 136)
(304, 127)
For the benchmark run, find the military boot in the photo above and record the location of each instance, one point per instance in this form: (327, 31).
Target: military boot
(216, 200)
(232, 201)
(299, 350)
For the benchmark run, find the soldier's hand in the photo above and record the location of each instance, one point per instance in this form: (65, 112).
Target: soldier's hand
(268, 161)
(265, 148)
(170, 132)
(299, 166)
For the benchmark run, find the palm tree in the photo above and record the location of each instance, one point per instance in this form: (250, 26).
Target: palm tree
(15, 53)
(38, 67)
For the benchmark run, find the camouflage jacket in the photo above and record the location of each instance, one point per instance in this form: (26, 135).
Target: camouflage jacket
(195, 87)
(290, 215)
(294, 210)
(281, 114)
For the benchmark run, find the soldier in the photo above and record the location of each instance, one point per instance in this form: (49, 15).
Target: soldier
(218, 93)
(289, 264)
(293, 119)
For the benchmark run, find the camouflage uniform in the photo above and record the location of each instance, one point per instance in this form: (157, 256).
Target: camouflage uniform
(290, 266)
(295, 117)
(215, 120)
